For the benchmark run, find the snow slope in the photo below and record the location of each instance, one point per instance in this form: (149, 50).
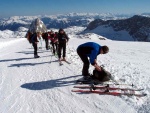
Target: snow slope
(111, 34)
(29, 85)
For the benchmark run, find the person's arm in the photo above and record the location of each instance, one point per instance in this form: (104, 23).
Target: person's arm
(93, 57)
(97, 67)
(67, 38)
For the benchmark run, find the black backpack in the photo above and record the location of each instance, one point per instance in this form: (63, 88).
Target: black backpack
(102, 76)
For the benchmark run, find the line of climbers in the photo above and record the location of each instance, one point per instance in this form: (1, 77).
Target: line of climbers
(58, 40)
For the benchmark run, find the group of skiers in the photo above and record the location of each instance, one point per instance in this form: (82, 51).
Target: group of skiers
(58, 42)
(87, 52)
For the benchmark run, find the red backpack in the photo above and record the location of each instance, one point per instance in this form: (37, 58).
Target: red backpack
(28, 36)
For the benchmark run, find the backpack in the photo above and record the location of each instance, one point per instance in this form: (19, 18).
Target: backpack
(29, 36)
(102, 76)
(45, 36)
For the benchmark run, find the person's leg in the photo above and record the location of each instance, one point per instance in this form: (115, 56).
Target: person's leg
(84, 58)
(46, 43)
(53, 48)
(85, 70)
(55, 45)
(35, 50)
(64, 51)
(59, 51)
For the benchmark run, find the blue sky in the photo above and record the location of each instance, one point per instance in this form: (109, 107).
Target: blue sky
(52, 7)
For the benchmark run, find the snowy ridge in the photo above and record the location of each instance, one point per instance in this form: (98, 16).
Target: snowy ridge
(111, 34)
(38, 86)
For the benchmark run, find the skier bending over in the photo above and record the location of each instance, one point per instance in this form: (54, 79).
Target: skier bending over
(91, 50)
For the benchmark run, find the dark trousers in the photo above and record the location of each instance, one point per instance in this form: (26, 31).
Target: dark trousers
(55, 47)
(86, 63)
(35, 48)
(61, 46)
(46, 43)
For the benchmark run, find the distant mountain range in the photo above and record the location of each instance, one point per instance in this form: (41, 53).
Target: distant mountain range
(137, 26)
(56, 21)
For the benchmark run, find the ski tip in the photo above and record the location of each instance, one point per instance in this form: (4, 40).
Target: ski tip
(142, 95)
(72, 90)
(140, 89)
(75, 86)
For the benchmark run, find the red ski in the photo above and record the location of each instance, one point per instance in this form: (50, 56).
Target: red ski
(115, 93)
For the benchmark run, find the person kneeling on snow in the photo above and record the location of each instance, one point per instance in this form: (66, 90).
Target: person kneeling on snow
(90, 50)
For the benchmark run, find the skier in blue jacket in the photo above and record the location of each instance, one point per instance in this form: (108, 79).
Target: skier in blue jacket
(90, 50)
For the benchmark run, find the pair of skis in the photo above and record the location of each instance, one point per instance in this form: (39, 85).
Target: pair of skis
(108, 90)
(60, 62)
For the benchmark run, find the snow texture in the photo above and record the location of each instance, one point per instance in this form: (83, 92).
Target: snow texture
(29, 85)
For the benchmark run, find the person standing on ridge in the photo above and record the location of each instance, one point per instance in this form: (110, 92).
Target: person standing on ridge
(34, 41)
(45, 37)
(62, 41)
(54, 39)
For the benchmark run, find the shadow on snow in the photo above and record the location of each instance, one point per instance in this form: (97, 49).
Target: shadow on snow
(50, 83)
(31, 64)
(18, 59)
(24, 64)
(32, 52)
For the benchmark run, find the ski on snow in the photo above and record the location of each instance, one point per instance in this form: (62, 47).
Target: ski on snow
(60, 62)
(106, 90)
(101, 83)
(107, 87)
(66, 61)
(115, 93)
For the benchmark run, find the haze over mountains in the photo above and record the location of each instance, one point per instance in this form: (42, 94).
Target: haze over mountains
(122, 27)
